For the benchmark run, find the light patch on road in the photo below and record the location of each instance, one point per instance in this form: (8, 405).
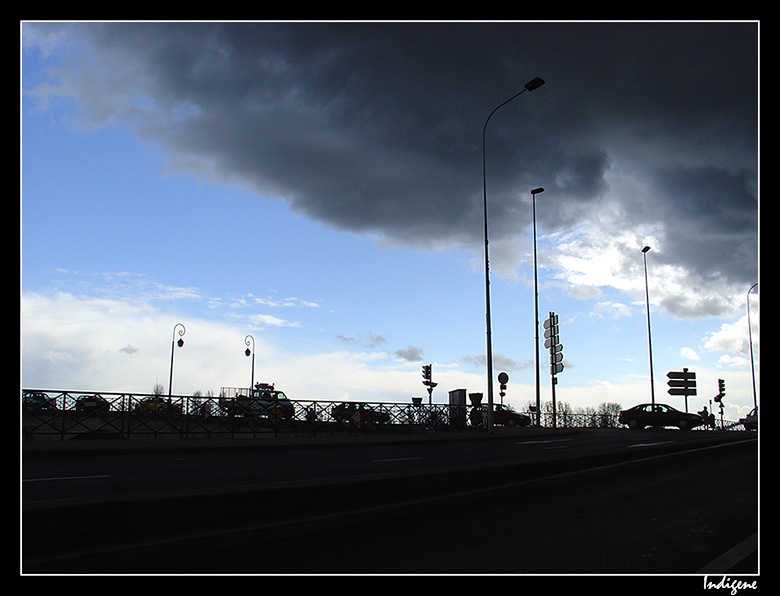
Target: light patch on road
(375, 461)
(542, 441)
(65, 478)
(648, 444)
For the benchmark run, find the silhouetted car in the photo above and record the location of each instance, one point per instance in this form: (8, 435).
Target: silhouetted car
(91, 403)
(263, 400)
(644, 415)
(34, 401)
(750, 422)
(502, 414)
(156, 405)
(358, 414)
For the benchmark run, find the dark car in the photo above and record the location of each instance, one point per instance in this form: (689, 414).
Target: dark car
(34, 401)
(502, 415)
(156, 405)
(644, 415)
(263, 400)
(91, 403)
(358, 413)
(750, 422)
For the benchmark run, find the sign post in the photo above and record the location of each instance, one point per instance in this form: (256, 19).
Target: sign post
(682, 383)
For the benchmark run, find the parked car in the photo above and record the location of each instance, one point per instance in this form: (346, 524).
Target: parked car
(35, 401)
(644, 415)
(91, 403)
(502, 414)
(359, 414)
(156, 405)
(750, 422)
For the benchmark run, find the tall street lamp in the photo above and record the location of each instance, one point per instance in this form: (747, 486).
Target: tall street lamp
(529, 86)
(649, 340)
(535, 192)
(750, 340)
(182, 331)
(251, 352)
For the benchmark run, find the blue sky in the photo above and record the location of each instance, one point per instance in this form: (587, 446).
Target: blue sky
(335, 213)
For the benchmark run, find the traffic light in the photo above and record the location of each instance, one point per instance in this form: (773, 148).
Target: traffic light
(427, 375)
(721, 390)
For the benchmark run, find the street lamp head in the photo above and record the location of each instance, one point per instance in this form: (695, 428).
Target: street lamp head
(534, 84)
(645, 249)
(536, 191)
(180, 343)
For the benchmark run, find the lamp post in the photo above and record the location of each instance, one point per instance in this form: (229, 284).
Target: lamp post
(529, 86)
(535, 192)
(182, 331)
(649, 340)
(750, 340)
(251, 352)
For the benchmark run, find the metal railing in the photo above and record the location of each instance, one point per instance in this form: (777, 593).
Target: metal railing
(64, 415)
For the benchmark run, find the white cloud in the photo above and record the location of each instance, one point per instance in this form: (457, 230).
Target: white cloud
(270, 321)
(733, 337)
(689, 353)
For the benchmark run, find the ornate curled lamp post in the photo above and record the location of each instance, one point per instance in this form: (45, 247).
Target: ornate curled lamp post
(174, 343)
(251, 352)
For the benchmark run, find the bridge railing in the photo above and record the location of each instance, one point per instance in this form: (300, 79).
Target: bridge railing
(63, 415)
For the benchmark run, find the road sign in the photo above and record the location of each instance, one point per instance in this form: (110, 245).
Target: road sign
(551, 331)
(556, 357)
(552, 320)
(275, 415)
(682, 392)
(556, 368)
(682, 383)
(685, 375)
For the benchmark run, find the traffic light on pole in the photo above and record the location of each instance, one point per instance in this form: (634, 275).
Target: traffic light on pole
(721, 390)
(427, 375)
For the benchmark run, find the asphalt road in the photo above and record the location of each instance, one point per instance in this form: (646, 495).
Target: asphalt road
(667, 515)
(100, 471)
(673, 517)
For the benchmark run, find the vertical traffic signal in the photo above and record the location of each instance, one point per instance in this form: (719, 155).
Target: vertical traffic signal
(426, 373)
(721, 390)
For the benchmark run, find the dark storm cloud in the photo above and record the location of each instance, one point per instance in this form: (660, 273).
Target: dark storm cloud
(378, 127)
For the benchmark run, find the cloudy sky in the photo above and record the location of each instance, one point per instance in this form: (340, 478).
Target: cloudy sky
(319, 186)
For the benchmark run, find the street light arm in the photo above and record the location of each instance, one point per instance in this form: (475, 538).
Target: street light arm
(529, 86)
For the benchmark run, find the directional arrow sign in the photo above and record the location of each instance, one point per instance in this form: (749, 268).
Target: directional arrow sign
(686, 391)
(684, 375)
(556, 368)
(553, 341)
(682, 383)
(550, 331)
(553, 320)
(557, 357)
(554, 348)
